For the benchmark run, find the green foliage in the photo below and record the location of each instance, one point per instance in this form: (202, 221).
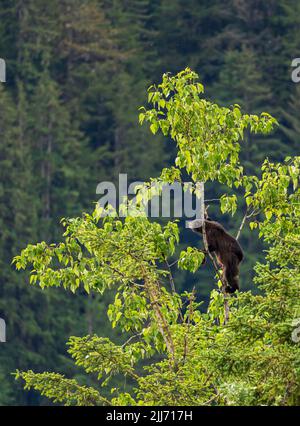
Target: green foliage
(191, 259)
(68, 110)
(60, 389)
(76, 73)
(207, 135)
(193, 358)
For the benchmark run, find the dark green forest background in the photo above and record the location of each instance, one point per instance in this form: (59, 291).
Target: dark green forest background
(76, 74)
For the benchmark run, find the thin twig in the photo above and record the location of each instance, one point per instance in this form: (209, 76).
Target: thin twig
(173, 263)
(212, 199)
(172, 284)
(242, 224)
(246, 217)
(211, 399)
(131, 338)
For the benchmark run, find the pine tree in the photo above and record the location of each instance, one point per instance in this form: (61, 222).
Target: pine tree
(242, 82)
(291, 124)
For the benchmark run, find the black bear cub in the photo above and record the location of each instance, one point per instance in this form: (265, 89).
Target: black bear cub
(228, 251)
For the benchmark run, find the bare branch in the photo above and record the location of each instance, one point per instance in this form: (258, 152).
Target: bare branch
(242, 224)
(246, 217)
(171, 277)
(211, 200)
(131, 338)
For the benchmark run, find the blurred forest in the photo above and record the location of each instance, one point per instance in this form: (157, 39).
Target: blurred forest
(76, 74)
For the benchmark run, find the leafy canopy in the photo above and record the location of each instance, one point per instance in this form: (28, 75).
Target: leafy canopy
(193, 358)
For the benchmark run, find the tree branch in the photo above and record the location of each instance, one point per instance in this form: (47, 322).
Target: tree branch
(242, 224)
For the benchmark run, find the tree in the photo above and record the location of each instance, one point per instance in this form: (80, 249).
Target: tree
(240, 351)
(18, 219)
(291, 126)
(44, 175)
